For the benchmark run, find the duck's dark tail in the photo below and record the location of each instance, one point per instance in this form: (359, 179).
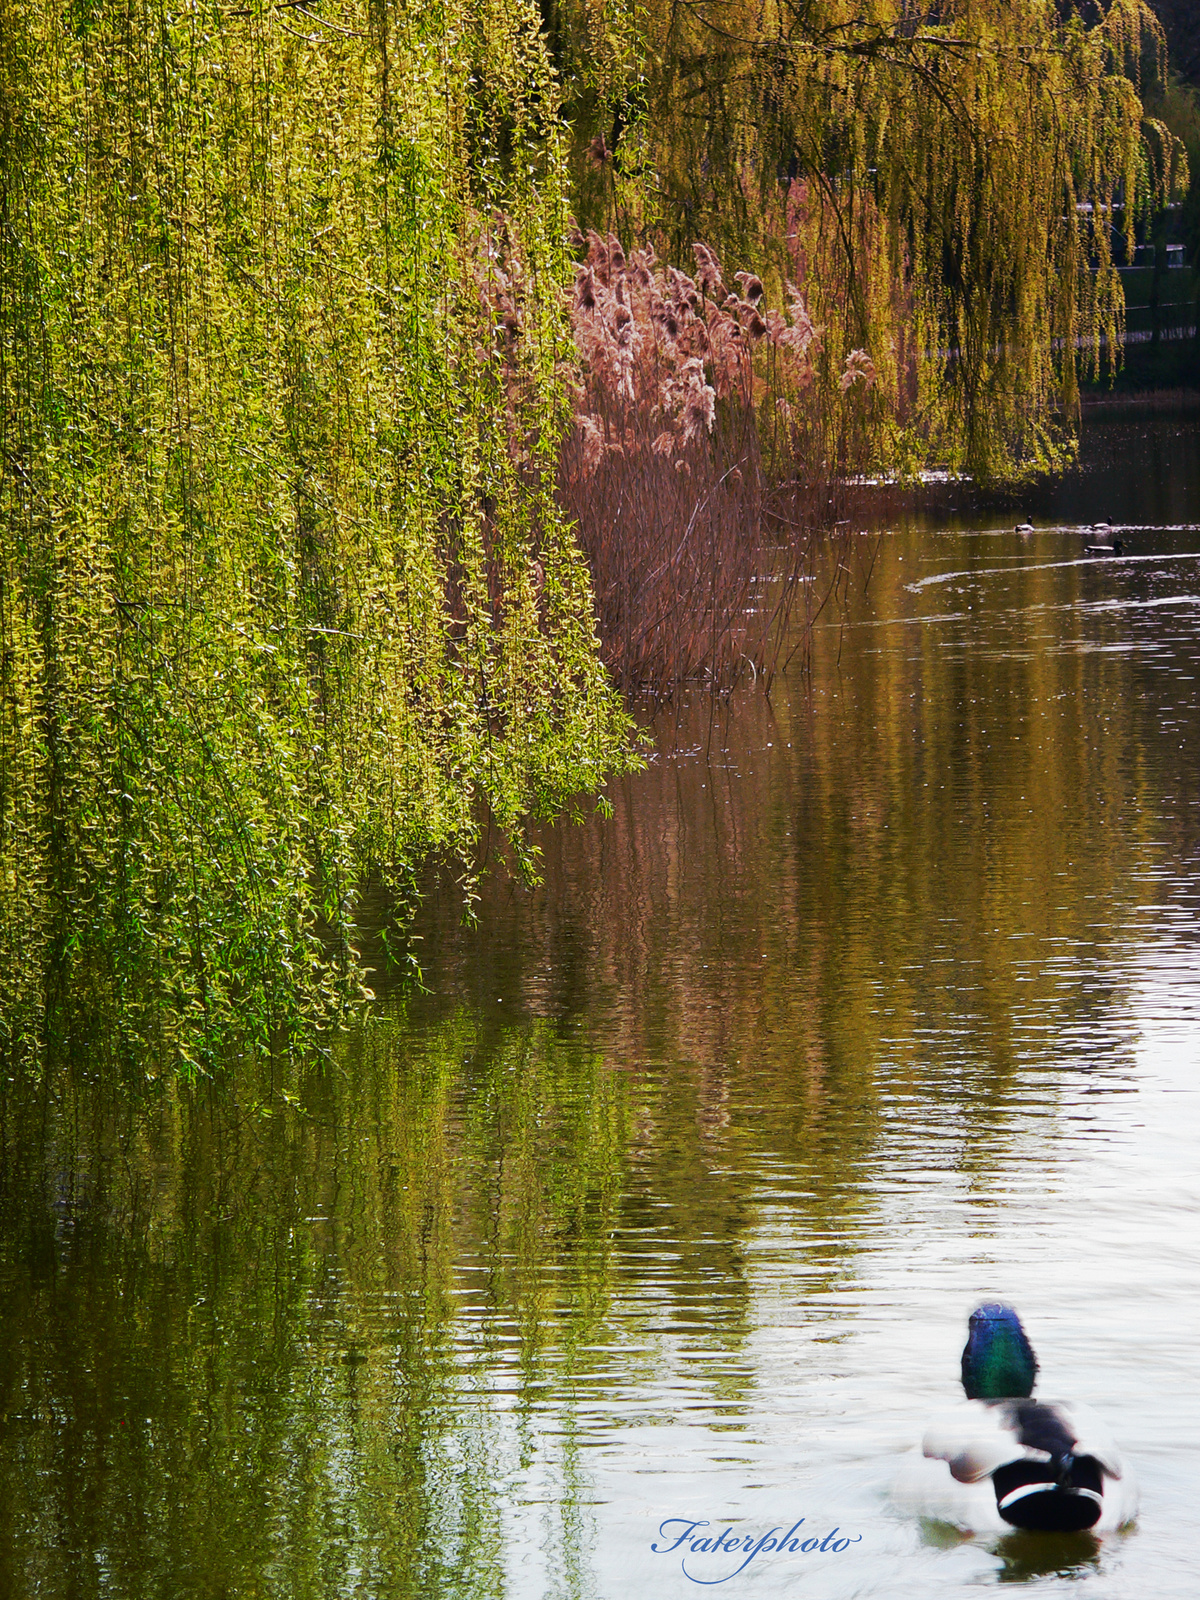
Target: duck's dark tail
(1031, 1494)
(1064, 1494)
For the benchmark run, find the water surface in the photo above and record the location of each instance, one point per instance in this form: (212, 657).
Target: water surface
(670, 1198)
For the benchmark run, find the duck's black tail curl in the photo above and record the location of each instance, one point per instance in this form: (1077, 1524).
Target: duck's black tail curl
(1064, 1494)
(1050, 1497)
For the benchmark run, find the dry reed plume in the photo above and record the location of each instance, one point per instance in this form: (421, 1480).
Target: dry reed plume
(693, 402)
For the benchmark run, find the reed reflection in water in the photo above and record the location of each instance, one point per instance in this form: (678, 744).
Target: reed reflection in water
(670, 1198)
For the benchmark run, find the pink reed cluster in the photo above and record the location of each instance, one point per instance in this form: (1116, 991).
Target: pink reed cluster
(660, 350)
(693, 403)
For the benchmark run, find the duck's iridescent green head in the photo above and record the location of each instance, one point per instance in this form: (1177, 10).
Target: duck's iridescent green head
(998, 1362)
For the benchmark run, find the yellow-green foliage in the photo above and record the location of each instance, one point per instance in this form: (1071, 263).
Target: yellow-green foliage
(942, 182)
(285, 593)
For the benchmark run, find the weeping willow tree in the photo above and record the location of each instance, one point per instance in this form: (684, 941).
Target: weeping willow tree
(284, 593)
(943, 182)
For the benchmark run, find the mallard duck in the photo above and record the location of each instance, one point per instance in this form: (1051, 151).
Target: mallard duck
(1101, 540)
(1034, 1464)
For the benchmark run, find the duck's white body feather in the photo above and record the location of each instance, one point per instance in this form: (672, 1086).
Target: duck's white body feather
(924, 1488)
(952, 1481)
(981, 1435)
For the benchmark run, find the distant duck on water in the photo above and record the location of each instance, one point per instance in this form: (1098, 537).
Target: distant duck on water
(1011, 1461)
(1024, 527)
(1099, 540)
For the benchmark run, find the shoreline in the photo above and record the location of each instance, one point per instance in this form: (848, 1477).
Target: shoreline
(1152, 400)
(1152, 379)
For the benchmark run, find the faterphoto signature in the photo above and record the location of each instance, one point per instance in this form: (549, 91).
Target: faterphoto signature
(702, 1555)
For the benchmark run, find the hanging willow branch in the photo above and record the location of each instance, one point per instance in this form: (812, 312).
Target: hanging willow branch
(285, 597)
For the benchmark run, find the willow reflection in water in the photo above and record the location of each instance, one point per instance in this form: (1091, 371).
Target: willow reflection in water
(243, 1338)
(669, 1200)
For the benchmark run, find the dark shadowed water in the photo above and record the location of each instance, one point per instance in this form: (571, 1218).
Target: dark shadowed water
(670, 1199)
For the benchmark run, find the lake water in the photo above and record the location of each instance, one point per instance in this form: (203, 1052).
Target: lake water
(671, 1197)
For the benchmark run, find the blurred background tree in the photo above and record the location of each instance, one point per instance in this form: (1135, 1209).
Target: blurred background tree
(941, 182)
(1173, 96)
